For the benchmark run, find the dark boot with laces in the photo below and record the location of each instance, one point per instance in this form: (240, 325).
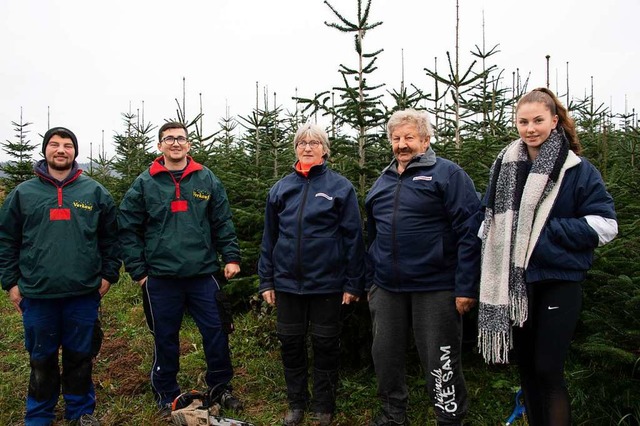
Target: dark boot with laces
(223, 396)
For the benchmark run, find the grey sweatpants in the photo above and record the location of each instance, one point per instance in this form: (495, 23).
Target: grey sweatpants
(437, 329)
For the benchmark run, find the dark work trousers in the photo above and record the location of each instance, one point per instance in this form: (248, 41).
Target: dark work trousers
(165, 301)
(541, 347)
(321, 314)
(48, 325)
(437, 329)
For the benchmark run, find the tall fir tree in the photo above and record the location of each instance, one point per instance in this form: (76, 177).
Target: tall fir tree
(359, 111)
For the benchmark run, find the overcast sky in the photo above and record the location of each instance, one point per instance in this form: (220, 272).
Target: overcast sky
(88, 61)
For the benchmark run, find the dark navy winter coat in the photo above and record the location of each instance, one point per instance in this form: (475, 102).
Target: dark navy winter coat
(422, 228)
(312, 241)
(565, 248)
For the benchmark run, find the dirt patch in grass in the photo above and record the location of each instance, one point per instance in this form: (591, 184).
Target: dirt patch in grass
(185, 347)
(118, 366)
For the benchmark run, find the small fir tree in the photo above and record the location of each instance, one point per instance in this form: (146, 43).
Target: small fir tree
(20, 167)
(133, 152)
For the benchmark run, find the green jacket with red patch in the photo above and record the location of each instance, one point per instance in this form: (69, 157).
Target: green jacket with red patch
(176, 228)
(58, 239)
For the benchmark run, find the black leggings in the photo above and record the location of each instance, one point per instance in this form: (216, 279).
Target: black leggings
(541, 347)
(320, 314)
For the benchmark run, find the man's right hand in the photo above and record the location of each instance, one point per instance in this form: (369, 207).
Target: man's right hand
(15, 297)
(269, 296)
(141, 281)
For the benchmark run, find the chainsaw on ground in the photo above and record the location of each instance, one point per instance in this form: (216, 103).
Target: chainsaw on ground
(195, 408)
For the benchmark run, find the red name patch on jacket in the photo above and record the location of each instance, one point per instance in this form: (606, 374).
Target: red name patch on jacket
(59, 214)
(178, 206)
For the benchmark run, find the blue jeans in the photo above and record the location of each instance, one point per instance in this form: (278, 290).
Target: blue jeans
(165, 301)
(48, 325)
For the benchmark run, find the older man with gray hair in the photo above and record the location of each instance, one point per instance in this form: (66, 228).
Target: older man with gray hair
(423, 269)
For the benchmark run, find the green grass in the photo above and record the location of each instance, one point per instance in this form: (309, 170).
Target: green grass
(121, 373)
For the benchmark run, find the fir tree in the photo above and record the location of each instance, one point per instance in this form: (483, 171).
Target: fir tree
(202, 148)
(20, 167)
(103, 172)
(133, 152)
(360, 106)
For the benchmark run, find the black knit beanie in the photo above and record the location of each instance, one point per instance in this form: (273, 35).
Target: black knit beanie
(61, 131)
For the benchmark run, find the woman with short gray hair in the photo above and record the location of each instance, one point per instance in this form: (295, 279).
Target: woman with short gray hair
(311, 263)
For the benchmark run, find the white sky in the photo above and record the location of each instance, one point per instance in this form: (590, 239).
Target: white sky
(89, 61)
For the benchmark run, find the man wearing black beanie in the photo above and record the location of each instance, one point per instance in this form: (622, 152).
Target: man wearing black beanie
(62, 132)
(59, 255)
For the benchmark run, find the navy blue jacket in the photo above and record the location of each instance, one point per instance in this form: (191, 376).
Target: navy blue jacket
(312, 241)
(565, 248)
(422, 228)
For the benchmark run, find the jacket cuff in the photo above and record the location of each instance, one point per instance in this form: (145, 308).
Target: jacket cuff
(9, 287)
(470, 295)
(111, 278)
(139, 277)
(265, 286)
(352, 290)
(234, 259)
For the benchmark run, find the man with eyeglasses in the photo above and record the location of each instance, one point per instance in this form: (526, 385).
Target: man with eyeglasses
(175, 223)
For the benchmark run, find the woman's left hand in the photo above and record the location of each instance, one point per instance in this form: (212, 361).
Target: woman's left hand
(269, 296)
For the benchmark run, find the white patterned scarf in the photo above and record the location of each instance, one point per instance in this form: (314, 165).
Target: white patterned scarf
(518, 206)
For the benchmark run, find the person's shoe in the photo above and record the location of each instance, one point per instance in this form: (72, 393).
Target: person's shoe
(293, 417)
(164, 411)
(226, 399)
(85, 420)
(383, 420)
(321, 419)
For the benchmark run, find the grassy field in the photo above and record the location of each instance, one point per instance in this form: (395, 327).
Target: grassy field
(122, 384)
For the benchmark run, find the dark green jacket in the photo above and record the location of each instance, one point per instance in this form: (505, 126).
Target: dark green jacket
(172, 228)
(58, 239)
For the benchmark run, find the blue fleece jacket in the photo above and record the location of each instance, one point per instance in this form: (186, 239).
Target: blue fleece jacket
(422, 227)
(312, 241)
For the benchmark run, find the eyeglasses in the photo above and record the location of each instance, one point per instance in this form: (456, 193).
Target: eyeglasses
(170, 140)
(312, 144)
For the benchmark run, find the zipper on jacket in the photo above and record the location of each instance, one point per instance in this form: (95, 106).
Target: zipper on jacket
(59, 187)
(187, 171)
(394, 249)
(299, 242)
(177, 183)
